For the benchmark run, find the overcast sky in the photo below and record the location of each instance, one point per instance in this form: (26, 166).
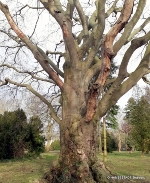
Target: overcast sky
(131, 66)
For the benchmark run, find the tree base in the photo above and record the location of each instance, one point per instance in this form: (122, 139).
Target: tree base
(97, 174)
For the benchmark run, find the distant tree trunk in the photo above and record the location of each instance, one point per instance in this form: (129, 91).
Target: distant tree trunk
(100, 143)
(143, 152)
(119, 141)
(143, 147)
(48, 146)
(133, 148)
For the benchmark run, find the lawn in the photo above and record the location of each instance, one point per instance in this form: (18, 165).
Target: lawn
(129, 164)
(30, 170)
(25, 170)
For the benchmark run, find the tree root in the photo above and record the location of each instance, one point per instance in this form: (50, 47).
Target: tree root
(96, 172)
(100, 173)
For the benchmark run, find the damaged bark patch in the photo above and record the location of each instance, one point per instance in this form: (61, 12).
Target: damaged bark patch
(92, 102)
(107, 47)
(65, 30)
(104, 72)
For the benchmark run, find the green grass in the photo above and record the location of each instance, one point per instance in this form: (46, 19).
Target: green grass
(25, 170)
(129, 164)
(30, 170)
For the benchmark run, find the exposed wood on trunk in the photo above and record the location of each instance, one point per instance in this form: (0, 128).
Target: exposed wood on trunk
(65, 30)
(92, 102)
(107, 54)
(107, 47)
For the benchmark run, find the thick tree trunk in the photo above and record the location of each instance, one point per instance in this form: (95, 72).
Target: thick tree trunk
(78, 162)
(78, 154)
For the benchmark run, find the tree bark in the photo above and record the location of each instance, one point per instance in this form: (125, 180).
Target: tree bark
(78, 161)
(105, 143)
(99, 138)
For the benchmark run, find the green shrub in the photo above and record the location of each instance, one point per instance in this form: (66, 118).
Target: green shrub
(55, 145)
(17, 136)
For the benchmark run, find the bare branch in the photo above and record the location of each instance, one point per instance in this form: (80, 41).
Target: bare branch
(95, 36)
(118, 88)
(27, 86)
(70, 9)
(50, 62)
(82, 17)
(136, 43)
(59, 6)
(54, 53)
(110, 81)
(66, 26)
(107, 47)
(29, 7)
(92, 21)
(39, 57)
(27, 72)
(112, 9)
(3, 82)
(136, 31)
(116, 91)
(129, 27)
(146, 80)
(119, 25)
(36, 23)
(15, 38)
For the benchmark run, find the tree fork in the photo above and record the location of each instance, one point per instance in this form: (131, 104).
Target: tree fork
(107, 55)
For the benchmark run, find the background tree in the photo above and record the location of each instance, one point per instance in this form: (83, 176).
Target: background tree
(111, 142)
(111, 117)
(55, 145)
(35, 136)
(35, 107)
(12, 134)
(139, 120)
(17, 135)
(125, 131)
(90, 44)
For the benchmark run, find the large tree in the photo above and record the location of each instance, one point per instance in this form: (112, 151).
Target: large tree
(92, 41)
(139, 121)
